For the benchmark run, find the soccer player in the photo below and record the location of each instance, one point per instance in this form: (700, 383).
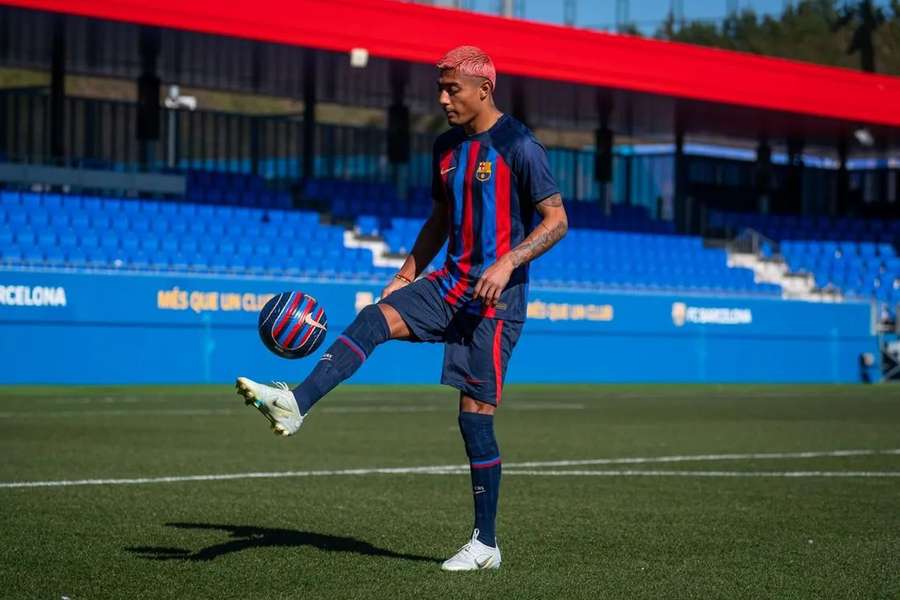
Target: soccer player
(490, 175)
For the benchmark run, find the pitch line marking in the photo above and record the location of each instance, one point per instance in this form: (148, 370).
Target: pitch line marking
(515, 469)
(704, 457)
(218, 412)
(642, 473)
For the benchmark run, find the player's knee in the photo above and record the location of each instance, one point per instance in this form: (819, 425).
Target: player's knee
(469, 404)
(396, 325)
(369, 329)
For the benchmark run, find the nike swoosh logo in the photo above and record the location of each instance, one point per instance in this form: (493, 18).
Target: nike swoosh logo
(447, 170)
(312, 322)
(484, 563)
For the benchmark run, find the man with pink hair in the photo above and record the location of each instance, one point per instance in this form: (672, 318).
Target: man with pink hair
(489, 177)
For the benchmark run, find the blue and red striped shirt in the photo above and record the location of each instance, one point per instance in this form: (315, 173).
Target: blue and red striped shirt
(490, 183)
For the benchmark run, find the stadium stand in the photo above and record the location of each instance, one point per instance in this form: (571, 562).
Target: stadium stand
(90, 232)
(624, 250)
(239, 189)
(856, 256)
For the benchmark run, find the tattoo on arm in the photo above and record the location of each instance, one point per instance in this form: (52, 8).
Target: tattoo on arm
(550, 230)
(540, 240)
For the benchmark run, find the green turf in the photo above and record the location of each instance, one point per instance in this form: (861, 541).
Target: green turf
(383, 535)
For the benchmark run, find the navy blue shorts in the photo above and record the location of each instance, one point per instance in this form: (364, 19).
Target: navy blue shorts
(476, 349)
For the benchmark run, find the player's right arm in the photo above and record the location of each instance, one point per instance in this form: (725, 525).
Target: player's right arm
(428, 243)
(433, 233)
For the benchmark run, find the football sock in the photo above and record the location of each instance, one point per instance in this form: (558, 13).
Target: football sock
(344, 357)
(484, 465)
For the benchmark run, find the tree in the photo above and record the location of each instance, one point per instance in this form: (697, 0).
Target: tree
(810, 30)
(864, 18)
(887, 42)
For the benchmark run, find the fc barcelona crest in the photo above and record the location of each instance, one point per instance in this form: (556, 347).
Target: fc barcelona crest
(483, 173)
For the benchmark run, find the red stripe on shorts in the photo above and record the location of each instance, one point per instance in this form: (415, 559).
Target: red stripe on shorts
(498, 360)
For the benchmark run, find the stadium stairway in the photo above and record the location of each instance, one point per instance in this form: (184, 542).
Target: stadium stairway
(631, 252)
(854, 258)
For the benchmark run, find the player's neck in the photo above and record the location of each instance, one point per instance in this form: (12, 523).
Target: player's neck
(483, 121)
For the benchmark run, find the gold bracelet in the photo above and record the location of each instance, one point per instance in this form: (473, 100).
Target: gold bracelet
(402, 278)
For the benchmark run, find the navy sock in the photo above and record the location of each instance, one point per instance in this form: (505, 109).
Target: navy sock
(484, 465)
(344, 357)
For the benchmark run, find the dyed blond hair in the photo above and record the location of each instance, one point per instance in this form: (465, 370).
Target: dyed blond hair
(471, 61)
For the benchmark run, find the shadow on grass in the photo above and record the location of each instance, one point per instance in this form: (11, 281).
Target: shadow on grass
(244, 537)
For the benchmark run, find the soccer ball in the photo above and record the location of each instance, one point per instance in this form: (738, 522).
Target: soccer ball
(292, 324)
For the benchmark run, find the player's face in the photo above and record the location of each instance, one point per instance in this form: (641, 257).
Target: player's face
(461, 97)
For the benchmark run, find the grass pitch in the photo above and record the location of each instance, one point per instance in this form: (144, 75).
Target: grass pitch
(588, 509)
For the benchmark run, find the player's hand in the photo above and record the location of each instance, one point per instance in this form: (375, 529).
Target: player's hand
(492, 282)
(394, 285)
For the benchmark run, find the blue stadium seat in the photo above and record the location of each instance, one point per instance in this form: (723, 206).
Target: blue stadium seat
(112, 205)
(9, 198)
(160, 261)
(24, 238)
(46, 239)
(139, 225)
(130, 244)
(185, 245)
(97, 258)
(168, 245)
(92, 204)
(159, 225)
(17, 217)
(150, 245)
(54, 256)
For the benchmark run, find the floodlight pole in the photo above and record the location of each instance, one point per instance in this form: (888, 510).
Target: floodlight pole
(398, 127)
(603, 151)
(795, 176)
(148, 110)
(57, 124)
(763, 177)
(309, 114)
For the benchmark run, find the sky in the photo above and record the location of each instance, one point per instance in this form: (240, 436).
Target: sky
(646, 14)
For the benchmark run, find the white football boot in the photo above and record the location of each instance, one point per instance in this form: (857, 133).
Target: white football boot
(275, 402)
(474, 556)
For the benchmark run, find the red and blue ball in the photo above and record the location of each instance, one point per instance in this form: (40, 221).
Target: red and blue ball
(292, 324)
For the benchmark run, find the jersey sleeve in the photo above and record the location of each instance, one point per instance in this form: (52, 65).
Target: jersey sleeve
(533, 171)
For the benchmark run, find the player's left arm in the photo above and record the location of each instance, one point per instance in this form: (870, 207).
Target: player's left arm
(552, 228)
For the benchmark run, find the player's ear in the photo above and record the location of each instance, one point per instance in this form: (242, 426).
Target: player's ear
(484, 90)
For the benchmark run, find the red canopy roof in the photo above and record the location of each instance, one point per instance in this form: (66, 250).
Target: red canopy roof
(419, 33)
